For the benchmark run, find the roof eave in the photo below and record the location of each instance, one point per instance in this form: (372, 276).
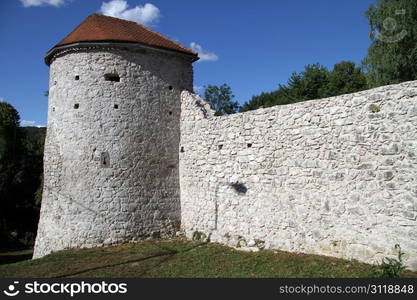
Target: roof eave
(136, 45)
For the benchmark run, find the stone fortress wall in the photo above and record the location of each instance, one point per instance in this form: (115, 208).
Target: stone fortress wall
(335, 176)
(111, 151)
(130, 154)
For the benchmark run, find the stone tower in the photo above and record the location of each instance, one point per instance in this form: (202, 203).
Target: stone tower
(111, 151)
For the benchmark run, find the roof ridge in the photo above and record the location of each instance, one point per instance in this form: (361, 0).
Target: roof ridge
(101, 15)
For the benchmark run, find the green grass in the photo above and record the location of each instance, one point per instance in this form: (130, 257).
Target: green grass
(179, 258)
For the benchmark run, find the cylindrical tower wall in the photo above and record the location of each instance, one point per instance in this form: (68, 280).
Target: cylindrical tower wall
(111, 151)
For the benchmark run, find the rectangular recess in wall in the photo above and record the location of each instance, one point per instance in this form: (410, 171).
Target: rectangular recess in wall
(105, 160)
(112, 77)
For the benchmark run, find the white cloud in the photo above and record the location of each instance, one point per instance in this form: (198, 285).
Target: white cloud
(29, 3)
(203, 54)
(25, 123)
(145, 14)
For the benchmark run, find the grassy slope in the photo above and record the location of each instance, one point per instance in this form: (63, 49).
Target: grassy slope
(161, 258)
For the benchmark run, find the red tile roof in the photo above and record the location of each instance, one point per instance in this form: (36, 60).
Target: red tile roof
(99, 28)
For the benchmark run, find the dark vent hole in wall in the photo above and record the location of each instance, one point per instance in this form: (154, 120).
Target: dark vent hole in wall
(220, 147)
(170, 113)
(77, 77)
(240, 188)
(76, 106)
(105, 160)
(116, 106)
(249, 145)
(112, 77)
(182, 149)
(170, 87)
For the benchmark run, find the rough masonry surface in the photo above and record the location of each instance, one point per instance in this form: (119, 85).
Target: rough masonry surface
(335, 176)
(111, 152)
(131, 153)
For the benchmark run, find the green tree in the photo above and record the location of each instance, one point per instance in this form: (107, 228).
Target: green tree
(306, 85)
(9, 158)
(310, 84)
(392, 55)
(9, 124)
(220, 99)
(345, 78)
(21, 166)
(315, 82)
(262, 100)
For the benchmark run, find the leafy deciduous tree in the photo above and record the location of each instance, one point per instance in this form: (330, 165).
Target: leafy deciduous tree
(220, 99)
(392, 55)
(21, 154)
(9, 132)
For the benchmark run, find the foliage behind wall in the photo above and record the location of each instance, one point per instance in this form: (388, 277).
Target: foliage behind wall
(21, 167)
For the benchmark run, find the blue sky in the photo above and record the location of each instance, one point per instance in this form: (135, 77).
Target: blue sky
(252, 46)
